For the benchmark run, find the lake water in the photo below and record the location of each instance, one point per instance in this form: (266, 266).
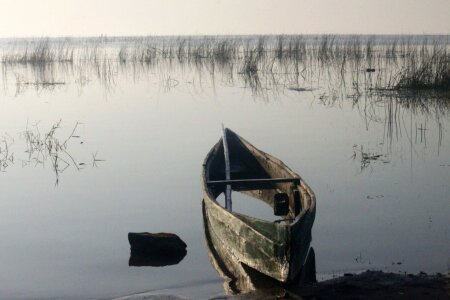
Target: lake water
(379, 164)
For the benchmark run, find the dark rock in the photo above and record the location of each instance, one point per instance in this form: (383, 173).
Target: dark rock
(145, 243)
(155, 249)
(422, 273)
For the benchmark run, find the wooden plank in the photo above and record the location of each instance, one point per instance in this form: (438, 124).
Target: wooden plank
(257, 180)
(228, 203)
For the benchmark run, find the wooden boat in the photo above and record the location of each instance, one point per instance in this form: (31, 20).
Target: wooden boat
(276, 249)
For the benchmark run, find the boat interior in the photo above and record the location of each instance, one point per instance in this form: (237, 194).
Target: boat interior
(254, 173)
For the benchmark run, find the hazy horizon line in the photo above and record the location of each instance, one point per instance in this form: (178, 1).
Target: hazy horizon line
(224, 35)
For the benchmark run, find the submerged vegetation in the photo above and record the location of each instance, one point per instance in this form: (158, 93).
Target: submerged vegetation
(43, 147)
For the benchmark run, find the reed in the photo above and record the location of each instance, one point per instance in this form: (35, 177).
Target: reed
(402, 63)
(6, 155)
(40, 52)
(426, 71)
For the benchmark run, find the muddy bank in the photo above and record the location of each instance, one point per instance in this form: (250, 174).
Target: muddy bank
(367, 285)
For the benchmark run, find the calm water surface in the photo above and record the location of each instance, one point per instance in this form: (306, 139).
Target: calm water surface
(150, 131)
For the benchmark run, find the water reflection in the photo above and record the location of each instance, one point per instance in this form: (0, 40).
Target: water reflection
(137, 260)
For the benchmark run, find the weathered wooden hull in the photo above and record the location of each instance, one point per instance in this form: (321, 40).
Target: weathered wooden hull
(277, 250)
(248, 245)
(238, 278)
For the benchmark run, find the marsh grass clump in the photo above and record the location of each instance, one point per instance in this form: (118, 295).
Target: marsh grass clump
(224, 52)
(42, 147)
(366, 158)
(6, 156)
(135, 55)
(250, 64)
(296, 49)
(40, 52)
(423, 72)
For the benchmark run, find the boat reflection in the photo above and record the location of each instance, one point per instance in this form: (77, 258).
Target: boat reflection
(240, 278)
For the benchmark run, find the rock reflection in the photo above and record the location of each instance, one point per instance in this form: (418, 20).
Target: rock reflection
(155, 260)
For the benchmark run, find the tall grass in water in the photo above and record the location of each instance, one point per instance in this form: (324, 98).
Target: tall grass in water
(40, 52)
(426, 71)
(332, 60)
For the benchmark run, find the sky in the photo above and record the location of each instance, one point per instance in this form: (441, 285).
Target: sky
(26, 18)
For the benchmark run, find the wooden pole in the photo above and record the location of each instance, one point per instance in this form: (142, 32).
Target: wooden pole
(228, 203)
(294, 180)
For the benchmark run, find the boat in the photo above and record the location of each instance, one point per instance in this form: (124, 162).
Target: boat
(277, 249)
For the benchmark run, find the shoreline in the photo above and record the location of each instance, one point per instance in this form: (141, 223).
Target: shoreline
(366, 285)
